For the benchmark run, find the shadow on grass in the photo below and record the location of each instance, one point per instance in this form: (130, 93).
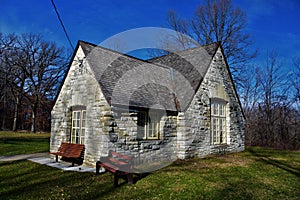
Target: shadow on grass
(34, 181)
(27, 180)
(265, 156)
(136, 177)
(19, 140)
(234, 190)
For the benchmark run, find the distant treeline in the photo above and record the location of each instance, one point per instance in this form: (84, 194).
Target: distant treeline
(31, 70)
(271, 98)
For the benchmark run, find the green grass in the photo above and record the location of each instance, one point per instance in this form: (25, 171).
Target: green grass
(13, 143)
(256, 173)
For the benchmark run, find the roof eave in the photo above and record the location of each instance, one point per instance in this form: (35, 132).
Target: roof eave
(67, 72)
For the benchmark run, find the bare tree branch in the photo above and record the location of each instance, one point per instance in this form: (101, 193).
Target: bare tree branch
(218, 21)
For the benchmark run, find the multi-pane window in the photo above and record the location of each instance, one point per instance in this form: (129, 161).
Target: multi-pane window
(148, 125)
(78, 126)
(218, 122)
(153, 126)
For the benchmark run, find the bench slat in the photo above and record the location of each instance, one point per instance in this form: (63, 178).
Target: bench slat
(114, 160)
(70, 150)
(110, 167)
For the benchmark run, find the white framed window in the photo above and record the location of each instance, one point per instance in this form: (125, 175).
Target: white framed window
(153, 126)
(148, 125)
(218, 121)
(78, 126)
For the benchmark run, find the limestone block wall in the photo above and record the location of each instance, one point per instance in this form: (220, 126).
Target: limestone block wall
(194, 128)
(145, 150)
(80, 88)
(194, 136)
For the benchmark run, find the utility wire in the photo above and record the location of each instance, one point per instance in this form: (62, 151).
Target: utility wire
(62, 24)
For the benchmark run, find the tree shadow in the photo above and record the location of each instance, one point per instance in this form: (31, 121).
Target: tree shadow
(276, 163)
(36, 181)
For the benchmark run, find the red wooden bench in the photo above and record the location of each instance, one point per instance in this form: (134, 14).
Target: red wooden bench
(119, 165)
(75, 152)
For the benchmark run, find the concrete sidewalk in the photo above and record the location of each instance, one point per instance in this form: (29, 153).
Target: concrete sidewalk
(22, 156)
(44, 159)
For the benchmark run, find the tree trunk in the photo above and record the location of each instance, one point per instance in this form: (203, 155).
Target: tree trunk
(33, 125)
(3, 127)
(33, 121)
(15, 122)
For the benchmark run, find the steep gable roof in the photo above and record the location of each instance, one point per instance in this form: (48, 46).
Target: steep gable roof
(190, 67)
(168, 82)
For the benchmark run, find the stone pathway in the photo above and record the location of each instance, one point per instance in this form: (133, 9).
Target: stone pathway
(44, 159)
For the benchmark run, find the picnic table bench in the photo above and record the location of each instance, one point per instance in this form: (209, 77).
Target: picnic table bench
(75, 152)
(118, 164)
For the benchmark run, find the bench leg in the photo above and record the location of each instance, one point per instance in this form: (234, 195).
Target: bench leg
(130, 179)
(56, 158)
(116, 180)
(98, 167)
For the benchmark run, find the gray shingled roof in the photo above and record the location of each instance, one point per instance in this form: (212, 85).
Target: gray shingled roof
(128, 81)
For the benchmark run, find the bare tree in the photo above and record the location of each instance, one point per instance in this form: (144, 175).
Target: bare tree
(183, 38)
(296, 82)
(42, 59)
(217, 21)
(272, 121)
(251, 90)
(31, 71)
(250, 99)
(10, 79)
(271, 83)
(297, 100)
(17, 80)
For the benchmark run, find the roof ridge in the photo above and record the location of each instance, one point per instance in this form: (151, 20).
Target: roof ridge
(217, 44)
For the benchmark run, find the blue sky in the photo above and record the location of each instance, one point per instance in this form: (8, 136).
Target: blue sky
(273, 24)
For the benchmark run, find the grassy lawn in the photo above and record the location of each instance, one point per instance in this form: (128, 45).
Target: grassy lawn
(13, 143)
(256, 173)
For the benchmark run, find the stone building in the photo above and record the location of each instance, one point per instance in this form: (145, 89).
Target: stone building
(179, 105)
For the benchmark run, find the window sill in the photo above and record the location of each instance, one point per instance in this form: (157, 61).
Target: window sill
(221, 148)
(220, 144)
(150, 139)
